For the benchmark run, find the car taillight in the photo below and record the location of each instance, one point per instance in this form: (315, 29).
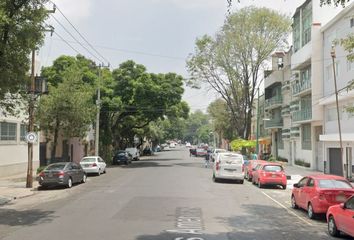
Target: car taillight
(61, 173)
(217, 166)
(94, 165)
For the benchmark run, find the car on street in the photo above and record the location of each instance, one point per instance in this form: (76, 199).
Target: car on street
(134, 152)
(251, 167)
(188, 145)
(93, 164)
(215, 152)
(192, 152)
(61, 174)
(172, 145)
(201, 152)
(316, 193)
(269, 173)
(229, 165)
(122, 157)
(340, 218)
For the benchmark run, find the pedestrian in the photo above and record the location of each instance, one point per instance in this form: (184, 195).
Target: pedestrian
(207, 158)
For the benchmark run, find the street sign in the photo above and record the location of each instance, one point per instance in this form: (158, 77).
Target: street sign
(31, 137)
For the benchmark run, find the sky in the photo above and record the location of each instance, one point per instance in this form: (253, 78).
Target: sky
(159, 34)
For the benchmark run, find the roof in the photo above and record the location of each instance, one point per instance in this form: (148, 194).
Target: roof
(339, 16)
(325, 176)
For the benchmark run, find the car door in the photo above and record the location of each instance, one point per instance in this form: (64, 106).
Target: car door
(71, 172)
(298, 192)
(345, 217)
(76, 173)
(308, 191)
(102, 164)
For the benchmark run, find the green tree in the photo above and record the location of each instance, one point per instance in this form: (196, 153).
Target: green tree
(231, 62)
(21, 30)
(322, 2)
(193, 130)
(68, 109)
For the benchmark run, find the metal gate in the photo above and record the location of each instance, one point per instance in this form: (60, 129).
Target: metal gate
(335, 162)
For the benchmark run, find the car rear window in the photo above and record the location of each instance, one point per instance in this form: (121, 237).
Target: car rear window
(333, 183)
(88, 160)
(272, 168)
(236, 159)
(59, 166)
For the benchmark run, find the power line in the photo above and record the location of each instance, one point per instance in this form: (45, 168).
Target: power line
(67, 43)
(105, 59)
(66, 30)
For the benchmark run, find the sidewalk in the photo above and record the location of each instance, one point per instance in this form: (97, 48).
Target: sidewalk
(296, 173)
(14, 187)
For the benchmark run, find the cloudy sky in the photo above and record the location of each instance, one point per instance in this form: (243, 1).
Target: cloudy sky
(156, 33)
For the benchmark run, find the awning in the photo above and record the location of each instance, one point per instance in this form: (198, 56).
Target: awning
(346, 137)
(264, 141)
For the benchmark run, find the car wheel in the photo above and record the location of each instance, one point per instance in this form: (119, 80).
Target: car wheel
(104, 171)
(70, 183)
(310, 213)
(332, 228)
(83, 180)
(293, 202)
(284, 187)
(249, 177)
(241, 181)
(214, 178)
(260, 184)
(246, 175)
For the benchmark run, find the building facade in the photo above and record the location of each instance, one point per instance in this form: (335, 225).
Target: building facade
(339, 27)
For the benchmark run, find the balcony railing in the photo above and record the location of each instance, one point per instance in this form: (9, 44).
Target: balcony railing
(302, 115)
(274, 123)
(301, 87)
(270, 102)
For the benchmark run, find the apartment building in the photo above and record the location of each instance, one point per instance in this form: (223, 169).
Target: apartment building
(339, 27)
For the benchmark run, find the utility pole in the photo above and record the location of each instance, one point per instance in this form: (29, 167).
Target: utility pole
(257, 127)
(98, 104)
(29, 179)
(344, 165)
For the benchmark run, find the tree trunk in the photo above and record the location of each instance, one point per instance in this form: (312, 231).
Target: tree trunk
(55, 139)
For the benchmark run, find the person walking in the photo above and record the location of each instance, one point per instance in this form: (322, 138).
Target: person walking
(207, 158)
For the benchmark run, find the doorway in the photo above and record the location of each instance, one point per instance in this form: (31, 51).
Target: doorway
(335, 162)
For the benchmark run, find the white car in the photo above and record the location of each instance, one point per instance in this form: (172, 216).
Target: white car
(172, 145)
(215, 153)
(229, 165)
(93, 164)
(134, 152)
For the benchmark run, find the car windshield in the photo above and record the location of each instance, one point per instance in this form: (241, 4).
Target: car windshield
(333, 183)
(57, 166)
(272, 168)
(88, 160)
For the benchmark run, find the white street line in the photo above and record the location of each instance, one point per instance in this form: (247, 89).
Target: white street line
(288, 210)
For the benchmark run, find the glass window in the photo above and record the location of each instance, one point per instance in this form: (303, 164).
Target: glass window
(306, 23)
(302, 182)
(296, 32)
(306, 136)
(350, 65)
(280, 139)
(8, 131)
(23, 132)
(88, 160)
(272, 168)
(56, 166)
(311, 182)
(333, 183)
(352, 22)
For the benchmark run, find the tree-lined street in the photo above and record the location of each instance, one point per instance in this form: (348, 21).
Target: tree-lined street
(166, 196)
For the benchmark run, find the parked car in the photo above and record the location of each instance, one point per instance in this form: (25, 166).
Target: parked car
(340, 218)
(269, 173)
(201, 152)
(316, 193)
(192, 152)
(61, 174)
(122, 157)
(93, 164)
(147, 151)
(188, 145)
(172, 145)
(250, 167)
(134, 152)
(215, 152)
(229, 165)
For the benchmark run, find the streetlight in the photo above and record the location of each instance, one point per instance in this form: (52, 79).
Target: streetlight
(345, 165)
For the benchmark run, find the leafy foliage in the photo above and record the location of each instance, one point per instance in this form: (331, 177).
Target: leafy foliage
(231, 62)
(239, 144)
(21, 30)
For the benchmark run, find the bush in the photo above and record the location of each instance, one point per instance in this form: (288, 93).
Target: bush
(302, 163)
(40, 169)
(272, 159)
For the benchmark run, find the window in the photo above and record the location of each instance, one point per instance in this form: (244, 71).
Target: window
(332, 114)
(272, 168)
(280, 139)
(306, 23)
(306, 136)
(311, 183)
(296, 32)
(337, 68)
(302, 182)
(23, 132)
(352, 22)
(8, 131)
(350, 66)
(333, 183)
(350, 204)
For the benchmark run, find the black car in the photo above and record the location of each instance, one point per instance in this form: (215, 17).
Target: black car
(62, 174)
(122, 156)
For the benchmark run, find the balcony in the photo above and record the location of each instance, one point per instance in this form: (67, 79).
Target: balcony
(295, 132)
(274, 102)
(274, 123)
(302, 115)
(285, 85)
(285, 111)
(301, 88)
(285, 133)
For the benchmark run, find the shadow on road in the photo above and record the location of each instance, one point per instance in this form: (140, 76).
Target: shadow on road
(11, 217)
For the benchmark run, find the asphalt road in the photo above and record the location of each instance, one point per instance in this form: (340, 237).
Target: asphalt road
(168, 196)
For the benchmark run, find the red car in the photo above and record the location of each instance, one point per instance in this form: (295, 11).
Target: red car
(250, 167)
(316, 193)
(269, 173)
(340, 218)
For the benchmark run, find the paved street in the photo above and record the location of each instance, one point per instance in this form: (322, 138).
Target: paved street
(168, 196)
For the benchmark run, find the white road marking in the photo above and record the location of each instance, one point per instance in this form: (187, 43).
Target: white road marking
(288, 210)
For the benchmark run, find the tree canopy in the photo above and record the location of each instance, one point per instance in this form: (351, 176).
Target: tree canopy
(21, 31)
